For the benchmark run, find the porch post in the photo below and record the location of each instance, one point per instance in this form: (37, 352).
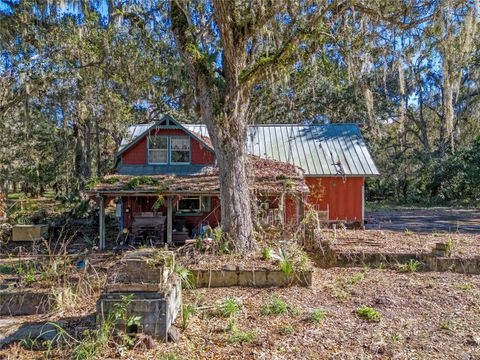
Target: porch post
(101, 223)
(169, 219)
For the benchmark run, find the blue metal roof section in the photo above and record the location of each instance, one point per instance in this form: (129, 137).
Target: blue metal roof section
(321, 150)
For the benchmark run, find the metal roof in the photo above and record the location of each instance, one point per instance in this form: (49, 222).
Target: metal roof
(327, 149)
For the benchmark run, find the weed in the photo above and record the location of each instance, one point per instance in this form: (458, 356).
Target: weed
(95, 342)
(29, 343)
(368, 313)
(286, 265)
(380, 266)
(287, 330)
(276, 307)
(229, 307)
(449, 247)
(188, 310)
(266, 253)
(464, 286)
(446, 325)
(408, 232)
(352, 280)
(411, 266)
(317, 316)
(188, 280)
(395, 337)
(241, 336)
(339, 293)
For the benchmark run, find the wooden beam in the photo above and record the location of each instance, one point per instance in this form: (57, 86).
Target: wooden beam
(169, 219)
(101, 223)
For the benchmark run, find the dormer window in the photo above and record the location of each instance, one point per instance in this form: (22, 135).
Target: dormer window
(158, 149)
(168, 149)
(180, 149)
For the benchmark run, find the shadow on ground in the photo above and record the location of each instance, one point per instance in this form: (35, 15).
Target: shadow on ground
(425, 220)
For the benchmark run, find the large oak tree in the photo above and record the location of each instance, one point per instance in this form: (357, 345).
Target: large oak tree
(230, 46)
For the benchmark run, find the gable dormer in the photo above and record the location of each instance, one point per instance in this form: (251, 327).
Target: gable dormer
(165, 147)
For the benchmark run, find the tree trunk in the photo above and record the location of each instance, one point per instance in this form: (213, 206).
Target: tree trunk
(235, 195)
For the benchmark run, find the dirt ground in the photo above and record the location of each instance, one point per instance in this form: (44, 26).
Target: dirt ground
(425, 220)
(422, 316)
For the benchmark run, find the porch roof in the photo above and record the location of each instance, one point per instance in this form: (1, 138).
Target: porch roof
(264, 176)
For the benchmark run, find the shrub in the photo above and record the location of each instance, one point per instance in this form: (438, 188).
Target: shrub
(276, 307)
(368, 313)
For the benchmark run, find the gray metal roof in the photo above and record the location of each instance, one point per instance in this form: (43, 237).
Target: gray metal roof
(327, 150)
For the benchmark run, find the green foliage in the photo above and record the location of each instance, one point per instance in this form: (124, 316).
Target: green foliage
(317, 316)
(368, 313)
(286, 265)
(238, 335)
(275, 307)
(188, 310)
(464, 286)
(412, 265)
(140, 180)
(287, 330)
(266, 253)
(158, 203)
(188, 280)
(229, 308)
(94, 343)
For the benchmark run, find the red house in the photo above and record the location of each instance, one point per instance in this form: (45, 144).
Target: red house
(166, 175)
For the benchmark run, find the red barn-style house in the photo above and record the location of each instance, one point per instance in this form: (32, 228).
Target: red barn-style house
(166, 184)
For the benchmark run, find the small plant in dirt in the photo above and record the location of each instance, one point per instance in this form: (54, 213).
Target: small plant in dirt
(395, 337)
(464, 286)
(287, 330)
(352, 280)
(446, 325)
(411, 266)
(408, 232)
(380, 266)
(238, 335)
(266, 253)
(228, 308)
(317, 316)
(188, 311)
(368, 313)
(275, 307)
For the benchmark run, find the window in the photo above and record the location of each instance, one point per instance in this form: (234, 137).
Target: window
(180, 149)
(158, 149)
(191, 204)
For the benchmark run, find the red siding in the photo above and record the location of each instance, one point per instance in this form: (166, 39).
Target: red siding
(200, 154)
(342, 198)
(137, 154)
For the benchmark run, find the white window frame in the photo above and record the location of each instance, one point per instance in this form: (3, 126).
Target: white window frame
(199, 198)
(189, 149)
